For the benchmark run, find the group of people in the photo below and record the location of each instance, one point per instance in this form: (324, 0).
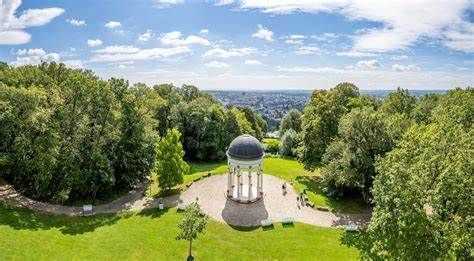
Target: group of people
(301, 197)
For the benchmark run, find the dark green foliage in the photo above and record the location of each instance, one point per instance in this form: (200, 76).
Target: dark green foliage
(320, 121)
(399, 101)
(292, 120)
(423, 110)
(423, 196)
(349, 160)
(66, 135)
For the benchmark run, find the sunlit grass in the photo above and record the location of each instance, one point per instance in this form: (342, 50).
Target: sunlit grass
(150, 235)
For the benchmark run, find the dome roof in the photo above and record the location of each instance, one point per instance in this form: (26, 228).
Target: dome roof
(245, 147)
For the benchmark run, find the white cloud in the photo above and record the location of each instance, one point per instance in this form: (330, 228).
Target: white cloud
(118, 49)
(368, 64)
(76, 64)
(307, 50)
(76, 22)
(113, 24)
(253, 62)
(166, 3)
(130, 53)
(305, 69)
(461, 39)
(405, 68)
(224, 2)
(34, 56)
(325, 37)
(399, 57)
(217, 65)
(146, 36)
(94, 42)
(175, 39)
(263, 33)
(228, 53)
(204, 31)
(31, 52)
(293, 41)
(403, 22)
(356, 54)
(11, 26)
(297, 36)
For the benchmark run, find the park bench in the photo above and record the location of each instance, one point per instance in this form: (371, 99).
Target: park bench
(266, 222)
(87, 210)
(351, 227)
(288, 220)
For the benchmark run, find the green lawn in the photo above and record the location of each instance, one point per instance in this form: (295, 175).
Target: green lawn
(150, 235)
(293, 171)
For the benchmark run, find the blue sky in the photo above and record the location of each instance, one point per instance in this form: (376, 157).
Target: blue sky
(249, 44)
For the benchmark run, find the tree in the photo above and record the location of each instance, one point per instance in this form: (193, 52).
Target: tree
(192, 224)
(399, 101)
(257, 123)
(61, 133)
(423, 109)
(292, 120)
(289, 142)
(349, 160)
(320, 121)
(169, 165)
(423, 196)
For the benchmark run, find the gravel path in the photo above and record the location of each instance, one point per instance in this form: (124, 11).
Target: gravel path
(210, 193)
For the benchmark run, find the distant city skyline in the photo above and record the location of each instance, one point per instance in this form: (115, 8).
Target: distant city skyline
(249, 44)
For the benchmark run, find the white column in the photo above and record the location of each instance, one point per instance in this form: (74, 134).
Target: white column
(239, 184)
(258, 183)
(250, 184)
(229, 175)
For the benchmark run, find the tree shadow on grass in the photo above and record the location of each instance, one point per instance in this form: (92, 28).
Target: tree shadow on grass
(359, 240)
(25, 219)
(346, 204)
(153, 212)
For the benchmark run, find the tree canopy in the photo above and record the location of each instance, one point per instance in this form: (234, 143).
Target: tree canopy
(292, 120)
(320, 121)
(67, 135)
(169, 165)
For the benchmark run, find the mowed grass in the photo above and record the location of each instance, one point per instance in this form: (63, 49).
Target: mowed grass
(150, 235)
(301, 179)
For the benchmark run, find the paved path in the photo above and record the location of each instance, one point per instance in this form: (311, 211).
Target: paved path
(210, 193)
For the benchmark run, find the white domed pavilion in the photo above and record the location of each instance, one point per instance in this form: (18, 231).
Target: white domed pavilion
(245, 177)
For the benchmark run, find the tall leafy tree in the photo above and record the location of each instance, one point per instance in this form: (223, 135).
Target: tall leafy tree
(320, 121)
(292, 120)
(169, 165)
(289, 143)
(399, 101)
(349, 160)
(423, 196)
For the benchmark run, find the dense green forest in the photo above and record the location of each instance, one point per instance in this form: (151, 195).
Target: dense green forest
(412, 159)
(65, 134)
